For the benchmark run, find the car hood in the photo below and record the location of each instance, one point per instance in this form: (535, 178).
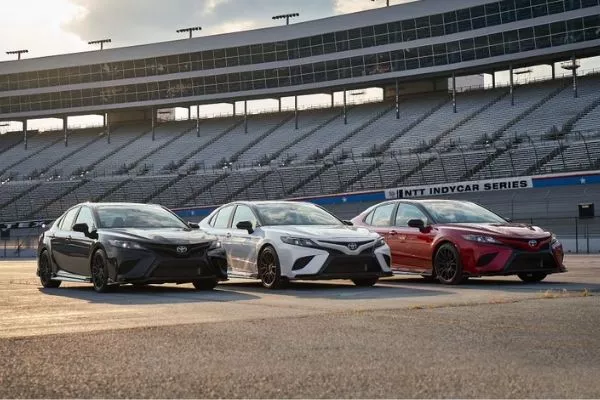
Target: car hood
(322, 232)
(163, 236)
(518, 231)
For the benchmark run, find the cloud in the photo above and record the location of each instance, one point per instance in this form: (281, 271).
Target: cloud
(350, 6)
(130, 22)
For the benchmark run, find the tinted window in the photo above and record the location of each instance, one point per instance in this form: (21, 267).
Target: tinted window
(140, 216)
(295, 214)
(243, 213)
(69, 219)
(86, 217)
(222, 219)
(454, 212)
(383, 215)
(406, 212)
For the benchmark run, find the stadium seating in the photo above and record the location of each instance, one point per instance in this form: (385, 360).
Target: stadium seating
(547, 130)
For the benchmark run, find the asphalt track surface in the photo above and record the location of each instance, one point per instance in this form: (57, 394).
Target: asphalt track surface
(403, 338)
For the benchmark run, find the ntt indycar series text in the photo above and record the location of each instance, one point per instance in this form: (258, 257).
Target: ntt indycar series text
(459, 187)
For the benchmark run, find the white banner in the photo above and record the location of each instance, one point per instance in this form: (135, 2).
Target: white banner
(489, 185)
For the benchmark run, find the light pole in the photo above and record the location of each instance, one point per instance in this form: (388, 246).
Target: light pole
(190, 30)
(286, 17)
(387, 2)
(100, 42)
(17, 52)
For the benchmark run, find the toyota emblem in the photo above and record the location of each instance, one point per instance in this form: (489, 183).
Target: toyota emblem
(533, 243)
(182, 249)
(352, 246)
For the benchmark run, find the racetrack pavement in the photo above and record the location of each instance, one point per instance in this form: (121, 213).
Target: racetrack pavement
(493, 337)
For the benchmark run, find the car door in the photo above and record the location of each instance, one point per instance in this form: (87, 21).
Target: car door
(244, 244)
(221, 228)
(60, 241)
(81, 245)
(380, 221)
(413, 246)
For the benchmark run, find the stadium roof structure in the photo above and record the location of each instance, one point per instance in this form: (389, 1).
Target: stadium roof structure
(380, 47)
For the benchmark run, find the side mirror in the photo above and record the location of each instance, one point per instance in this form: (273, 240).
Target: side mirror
(193, 225)
(508, 220)
(245, 225)
(417, 223)
(348, 223)
(83, 228)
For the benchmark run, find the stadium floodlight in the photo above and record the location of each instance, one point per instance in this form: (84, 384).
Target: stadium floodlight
(387, 2)
(17, 52)
(100, 42)
(286, 17)
(189, 30)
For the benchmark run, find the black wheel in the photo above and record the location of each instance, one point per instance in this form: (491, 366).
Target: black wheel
(205, 284)
(99, 272)
(532, 277)
(45, 271)
(365, 282)
(447, 265)
(269, 270)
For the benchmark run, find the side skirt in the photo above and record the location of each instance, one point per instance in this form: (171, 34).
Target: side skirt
(69, 277)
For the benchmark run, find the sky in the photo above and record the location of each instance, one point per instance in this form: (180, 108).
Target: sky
(48, 27)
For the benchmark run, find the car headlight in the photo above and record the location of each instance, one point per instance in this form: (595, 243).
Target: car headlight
(481, 239)
(215, 245)
(126, 244)
(295, 241)
(379, 242)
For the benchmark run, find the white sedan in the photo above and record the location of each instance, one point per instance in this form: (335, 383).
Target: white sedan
(277, 241)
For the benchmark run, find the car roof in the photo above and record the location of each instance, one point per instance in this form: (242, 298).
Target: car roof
(117, 204)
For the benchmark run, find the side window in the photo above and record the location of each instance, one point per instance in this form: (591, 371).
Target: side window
(86, 217)
(222, 219)
(243, 213)
(406, 212)
(69, 219)
(383, 215)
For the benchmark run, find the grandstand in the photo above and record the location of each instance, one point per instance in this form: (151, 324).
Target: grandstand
(423, 131)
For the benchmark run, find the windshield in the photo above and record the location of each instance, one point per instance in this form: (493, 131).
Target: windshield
(138, 216)
(294, 214)
(451, 212)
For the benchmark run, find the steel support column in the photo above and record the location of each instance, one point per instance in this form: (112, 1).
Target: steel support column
(279, 104)
(493, 80)
(107, 127)
(296, 112)
(553, 71)
(574, 66)
(454, 92)
(397, 99)
(198, 120)
(153, 124)
(245, 116)
(25, 133)
(66, 130)
(512, 85)
(345, 109)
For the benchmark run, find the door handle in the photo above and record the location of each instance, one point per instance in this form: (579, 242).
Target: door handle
(69, 237)
(228, 236)
(393, 233)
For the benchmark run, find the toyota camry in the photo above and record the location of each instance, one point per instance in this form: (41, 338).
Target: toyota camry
(276, 241)
(108, 244)
(453, 240)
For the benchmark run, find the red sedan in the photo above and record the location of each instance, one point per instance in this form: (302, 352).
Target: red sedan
(454, 240)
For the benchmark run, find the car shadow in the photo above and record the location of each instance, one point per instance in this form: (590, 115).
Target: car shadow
(150, 294)
(507, 284)
(334, 290)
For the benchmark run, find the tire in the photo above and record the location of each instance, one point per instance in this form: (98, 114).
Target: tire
(45, 271)
(532, 277)
(99, 272)
(365, 282)
(447, 265)
(205, 284)
(269, 270)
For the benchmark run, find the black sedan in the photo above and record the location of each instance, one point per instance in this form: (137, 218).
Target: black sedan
(108, 244)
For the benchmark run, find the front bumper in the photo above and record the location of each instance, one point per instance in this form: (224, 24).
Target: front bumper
(137, 266)
(504, 260)
(321, 264)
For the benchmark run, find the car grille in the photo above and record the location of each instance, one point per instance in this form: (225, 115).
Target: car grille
(532, 262)
(170, 250)
(180, 269)
(346, 265)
